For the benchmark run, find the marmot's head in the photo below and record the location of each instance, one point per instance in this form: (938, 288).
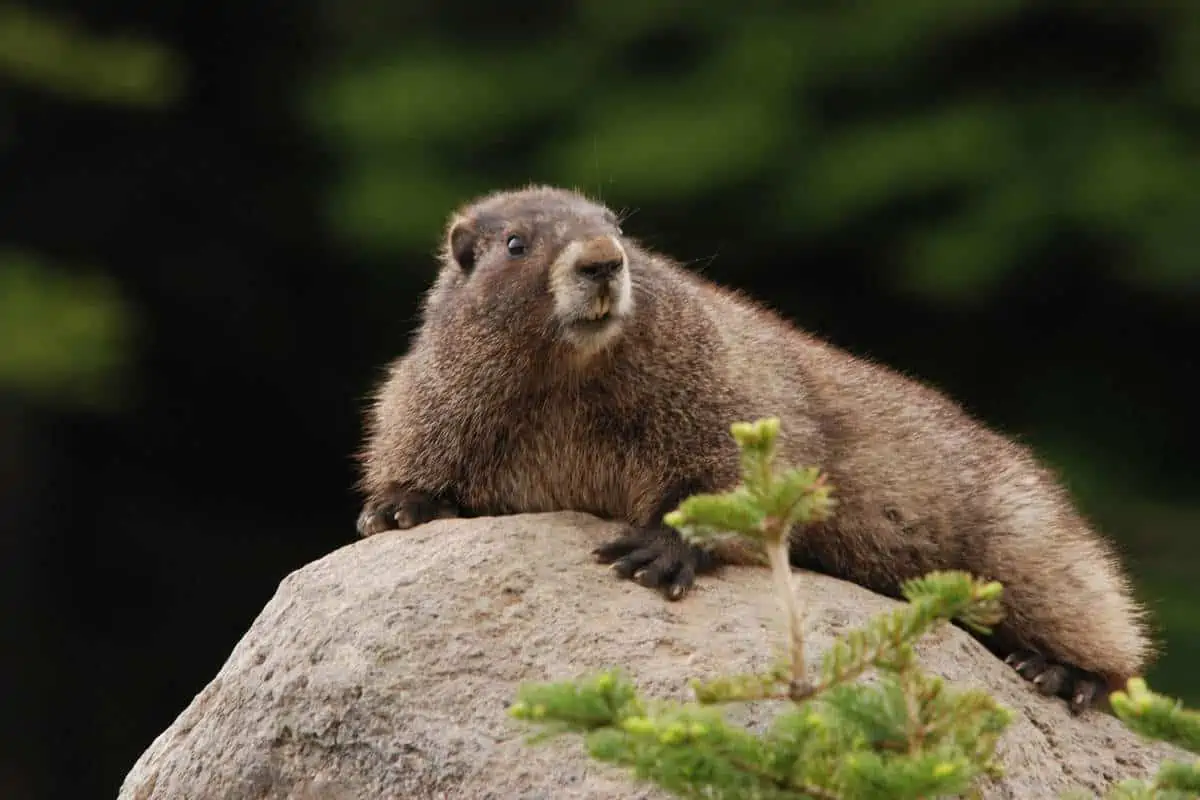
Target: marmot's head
(541, 260)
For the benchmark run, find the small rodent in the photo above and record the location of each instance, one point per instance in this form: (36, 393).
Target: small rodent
(560, 365)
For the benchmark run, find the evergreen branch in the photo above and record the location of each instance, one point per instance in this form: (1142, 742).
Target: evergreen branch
(764, 508)
(1176, 777)
(772, 685)
(697, 754)
(781, 575)
(604, 700)
(1156, 716)
(886, 640)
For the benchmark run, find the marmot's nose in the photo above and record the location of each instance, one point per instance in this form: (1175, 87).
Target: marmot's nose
(600, 259)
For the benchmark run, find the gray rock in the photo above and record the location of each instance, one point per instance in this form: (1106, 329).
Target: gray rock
(384, 670)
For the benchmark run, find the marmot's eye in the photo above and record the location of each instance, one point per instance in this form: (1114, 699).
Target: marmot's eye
(516, 246)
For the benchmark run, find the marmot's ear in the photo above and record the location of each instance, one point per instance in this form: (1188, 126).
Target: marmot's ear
(461, 244)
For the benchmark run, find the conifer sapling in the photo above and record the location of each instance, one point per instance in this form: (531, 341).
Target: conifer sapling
(907, 735)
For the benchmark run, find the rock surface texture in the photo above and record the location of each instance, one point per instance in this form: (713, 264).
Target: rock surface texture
(384, 670)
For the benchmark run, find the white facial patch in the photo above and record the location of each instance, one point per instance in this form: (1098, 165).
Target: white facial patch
(563, 280)
(590, 311)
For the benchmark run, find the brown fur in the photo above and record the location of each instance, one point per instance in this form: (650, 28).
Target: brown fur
(494, 410)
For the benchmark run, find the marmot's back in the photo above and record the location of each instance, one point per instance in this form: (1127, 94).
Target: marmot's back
(841, 411)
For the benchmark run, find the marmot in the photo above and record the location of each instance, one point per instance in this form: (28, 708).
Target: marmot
(561, 365)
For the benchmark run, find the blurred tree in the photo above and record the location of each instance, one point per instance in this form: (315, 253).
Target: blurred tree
(51, 53)
(966, 138)
(67, 332)
(66, 338)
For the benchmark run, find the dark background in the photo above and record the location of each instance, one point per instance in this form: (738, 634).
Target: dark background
(216, 219)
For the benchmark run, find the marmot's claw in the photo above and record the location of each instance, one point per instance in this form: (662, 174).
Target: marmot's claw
(1078, 687)
(657, 559)
(402, 509)
(373, 521)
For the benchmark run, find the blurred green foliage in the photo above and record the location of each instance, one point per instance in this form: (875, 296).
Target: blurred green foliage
(838, 115)
(67, 333)
(66, 336)
(55, 55)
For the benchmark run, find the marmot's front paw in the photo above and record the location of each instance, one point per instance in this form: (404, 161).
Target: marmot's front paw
(1078, 687)
(657, 558)
(402, 509)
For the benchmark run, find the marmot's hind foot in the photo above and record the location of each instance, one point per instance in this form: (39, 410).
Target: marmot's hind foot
(657, 558)
(1078, 687)
(402, 509)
